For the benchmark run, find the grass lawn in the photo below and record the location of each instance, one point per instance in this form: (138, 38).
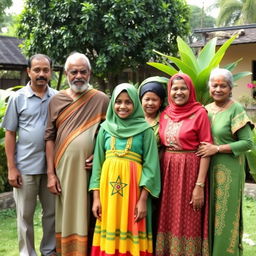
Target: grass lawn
(8, 232)
(9, 246)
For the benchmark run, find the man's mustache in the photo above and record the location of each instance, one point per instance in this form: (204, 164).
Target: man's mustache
(79, 80)
(41, 78)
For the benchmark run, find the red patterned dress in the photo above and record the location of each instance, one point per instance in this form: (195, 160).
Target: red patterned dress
(181, 230)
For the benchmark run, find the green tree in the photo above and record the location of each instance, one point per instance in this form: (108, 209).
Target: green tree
(10, 22)
(236, 12)
(114, 34)
(4, 4)
(199, 18)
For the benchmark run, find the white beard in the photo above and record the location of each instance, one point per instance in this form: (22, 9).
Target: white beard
(79, 89)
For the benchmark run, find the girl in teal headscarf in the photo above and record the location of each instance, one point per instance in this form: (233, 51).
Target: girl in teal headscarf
(125, 175)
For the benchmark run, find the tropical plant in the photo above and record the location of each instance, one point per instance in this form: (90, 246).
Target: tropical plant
(198, 68)
(236, 12)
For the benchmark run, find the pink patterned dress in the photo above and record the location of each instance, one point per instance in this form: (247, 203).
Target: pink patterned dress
(181, 230)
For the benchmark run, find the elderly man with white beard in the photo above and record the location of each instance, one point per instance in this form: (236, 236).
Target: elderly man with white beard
(73, 120)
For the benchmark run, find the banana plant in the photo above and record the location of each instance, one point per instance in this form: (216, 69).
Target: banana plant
(198, 68)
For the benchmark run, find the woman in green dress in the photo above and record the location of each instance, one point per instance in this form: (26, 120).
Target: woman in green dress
(231, 130)
(125, 177)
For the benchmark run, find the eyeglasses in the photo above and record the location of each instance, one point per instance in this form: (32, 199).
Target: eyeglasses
(74, 72)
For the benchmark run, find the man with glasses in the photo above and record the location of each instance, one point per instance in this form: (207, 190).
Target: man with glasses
(74, 118)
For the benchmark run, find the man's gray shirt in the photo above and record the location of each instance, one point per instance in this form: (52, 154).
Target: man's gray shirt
(26, 115)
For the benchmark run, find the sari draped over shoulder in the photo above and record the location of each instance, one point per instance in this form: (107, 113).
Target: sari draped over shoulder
(73, 125)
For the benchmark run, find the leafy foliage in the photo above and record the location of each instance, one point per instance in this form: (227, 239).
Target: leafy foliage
(114, 34)
(4, 186)
(236, 12)
(3, 5)
(251, 156)
(198, 68)
(10, 23)
(199, 19)
(4, 94)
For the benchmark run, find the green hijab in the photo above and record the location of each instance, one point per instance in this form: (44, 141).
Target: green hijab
(133, 124)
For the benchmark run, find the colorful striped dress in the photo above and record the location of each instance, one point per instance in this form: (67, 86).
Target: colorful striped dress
(121, 168)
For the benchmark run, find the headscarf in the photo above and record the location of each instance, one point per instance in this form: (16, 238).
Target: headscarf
(177, 112)
(133, 124)
(154, 84)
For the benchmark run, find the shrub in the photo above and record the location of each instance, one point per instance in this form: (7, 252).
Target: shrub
(4, 185)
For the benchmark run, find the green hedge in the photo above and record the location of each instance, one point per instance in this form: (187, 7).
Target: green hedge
(4, 185)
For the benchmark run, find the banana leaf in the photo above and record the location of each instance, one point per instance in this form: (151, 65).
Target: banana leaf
(164, 68)
(206, 54)
(233, 65)
(187, 55)
(241, 74)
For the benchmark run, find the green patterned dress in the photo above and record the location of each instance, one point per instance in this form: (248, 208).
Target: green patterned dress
(230, 126)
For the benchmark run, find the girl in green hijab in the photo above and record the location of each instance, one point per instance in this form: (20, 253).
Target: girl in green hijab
(124, 177)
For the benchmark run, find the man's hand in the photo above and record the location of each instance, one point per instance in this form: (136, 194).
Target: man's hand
(54, 184)
(14, 177)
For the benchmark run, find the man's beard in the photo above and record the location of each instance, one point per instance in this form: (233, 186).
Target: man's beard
(79, 88)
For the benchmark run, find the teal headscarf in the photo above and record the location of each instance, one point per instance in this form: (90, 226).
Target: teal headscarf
(133, 124)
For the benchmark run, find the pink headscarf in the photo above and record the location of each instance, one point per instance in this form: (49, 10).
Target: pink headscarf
(177, 112)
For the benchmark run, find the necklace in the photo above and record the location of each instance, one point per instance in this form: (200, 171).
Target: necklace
(123, 152)
(217, 108)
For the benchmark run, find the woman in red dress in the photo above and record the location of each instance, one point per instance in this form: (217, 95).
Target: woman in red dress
(183, 212)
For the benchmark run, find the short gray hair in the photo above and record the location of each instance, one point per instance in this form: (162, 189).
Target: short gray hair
(77, 55)
(224, 72)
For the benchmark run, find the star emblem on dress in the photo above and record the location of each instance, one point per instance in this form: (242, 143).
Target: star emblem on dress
(117, 186)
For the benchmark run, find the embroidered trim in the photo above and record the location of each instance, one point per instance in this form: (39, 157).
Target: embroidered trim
(222, 176)
(168, 244)
(235, 230)
(239, 121)
(171, 134)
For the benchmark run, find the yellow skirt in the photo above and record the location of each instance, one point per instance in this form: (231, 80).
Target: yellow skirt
(117, 233)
